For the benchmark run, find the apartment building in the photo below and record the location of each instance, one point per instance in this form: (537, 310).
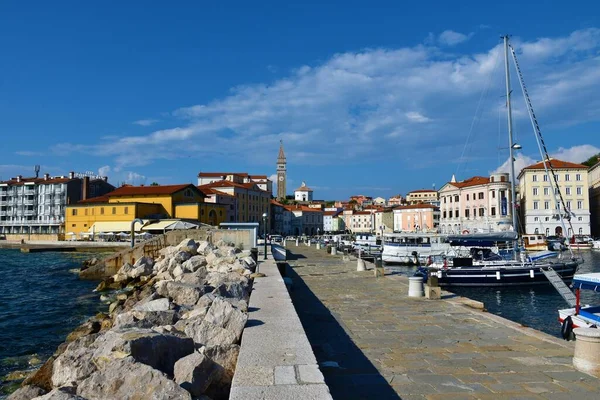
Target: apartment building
(540, 213)
(428, 196)
(34, 208)
(416, 218)
(263, 183)
(475, 205)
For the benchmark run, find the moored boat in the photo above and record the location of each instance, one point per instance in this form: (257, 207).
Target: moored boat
(408, 247)
(586, 316)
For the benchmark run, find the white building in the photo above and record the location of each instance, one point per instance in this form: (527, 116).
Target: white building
(362, 221)
(303, 193)
(475, 205)
(594, 183)
(263, 183)
(36, 206)
(539, 210)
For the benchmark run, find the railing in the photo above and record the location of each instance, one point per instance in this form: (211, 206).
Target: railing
(30, 223)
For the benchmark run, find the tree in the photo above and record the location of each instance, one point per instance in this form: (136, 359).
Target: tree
(593, 160)
(154, 184)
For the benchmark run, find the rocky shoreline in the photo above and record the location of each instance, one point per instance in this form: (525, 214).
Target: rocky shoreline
(172, 331)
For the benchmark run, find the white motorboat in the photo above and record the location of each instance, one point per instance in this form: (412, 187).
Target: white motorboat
(586, 316)
(406, 248)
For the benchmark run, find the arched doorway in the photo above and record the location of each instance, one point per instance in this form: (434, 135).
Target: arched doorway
(558, 231)
(296, 232)
(212, 217)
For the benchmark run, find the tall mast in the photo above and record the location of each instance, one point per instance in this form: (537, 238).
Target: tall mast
(510, 142)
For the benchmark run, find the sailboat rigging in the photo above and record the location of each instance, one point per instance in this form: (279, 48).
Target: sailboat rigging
(480, 267)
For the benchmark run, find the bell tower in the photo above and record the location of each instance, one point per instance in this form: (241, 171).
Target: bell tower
(281, 173)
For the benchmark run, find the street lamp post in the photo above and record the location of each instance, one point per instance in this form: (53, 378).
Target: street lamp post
(265, 232)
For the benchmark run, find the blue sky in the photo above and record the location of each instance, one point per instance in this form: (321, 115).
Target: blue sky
(375, 98)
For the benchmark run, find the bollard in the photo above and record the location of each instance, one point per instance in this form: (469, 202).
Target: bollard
(334, 251)
(360, 265)
(432, 288)
(379, 270)
(318, 246)
(415, 286)
(296, 242)
(587, 350)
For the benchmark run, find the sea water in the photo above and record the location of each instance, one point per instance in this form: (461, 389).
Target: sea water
(41, 301)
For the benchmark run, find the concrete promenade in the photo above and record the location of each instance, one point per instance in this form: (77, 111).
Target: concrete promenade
(374, 342)
(276, 361)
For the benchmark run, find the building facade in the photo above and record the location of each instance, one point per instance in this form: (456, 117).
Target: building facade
(217, 197)
(34, 208)
(416, 218)
(362, 221)
(475, 205)
(303, 193)
(539, 212)
(261, 181)
(395, 201)
(594, 195)
(427, 196)
(281, 174)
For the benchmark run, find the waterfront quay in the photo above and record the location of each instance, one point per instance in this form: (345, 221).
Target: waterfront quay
(374, 342)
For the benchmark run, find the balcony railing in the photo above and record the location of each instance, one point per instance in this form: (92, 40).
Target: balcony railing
(31, 223)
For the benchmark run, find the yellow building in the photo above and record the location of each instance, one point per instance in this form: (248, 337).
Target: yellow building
(145, 202)
(539, 211)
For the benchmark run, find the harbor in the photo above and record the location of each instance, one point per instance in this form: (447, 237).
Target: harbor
(373, 341)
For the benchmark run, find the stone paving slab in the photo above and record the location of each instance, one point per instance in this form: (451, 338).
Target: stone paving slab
(384, 345)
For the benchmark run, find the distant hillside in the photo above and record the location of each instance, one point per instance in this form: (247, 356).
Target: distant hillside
(593, 160)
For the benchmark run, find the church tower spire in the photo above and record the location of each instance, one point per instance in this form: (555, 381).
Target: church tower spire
(281, 173)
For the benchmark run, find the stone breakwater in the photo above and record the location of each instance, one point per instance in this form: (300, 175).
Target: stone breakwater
(172, 331)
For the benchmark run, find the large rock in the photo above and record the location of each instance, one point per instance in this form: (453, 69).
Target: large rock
(232, 289)
(182, 256)
(206, 333)
(225, 358)
(197, 278)
(189, 246)
(194, 263)
(223, 314)
(162, 304)
(43, 376)
(204, 248)
(149, 347)
(87, 328)
(63, 393)
(75, 364)
(195, 373)
(125, 269)
(125, 379)
(181, 293)
(26, 392)
(168, 251)
(142, 267)
(145, 319)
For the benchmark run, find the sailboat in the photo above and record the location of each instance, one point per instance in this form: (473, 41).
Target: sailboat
(482, 267)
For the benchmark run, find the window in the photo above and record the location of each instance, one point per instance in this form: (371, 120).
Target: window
(74, 212)
(444, 214)
(547, 219)
(535, 191)
(579, 190)
(493, 211)
(581, 231)
(126, 210)
(568, 191)
(450, 214)
(114, 210)
(568, 204)
(555, 190)
(73, 225)
(546, 191)
(579, 219)
(450, 198)
(536, 231)
(546, 205)
(547, 231)
(567, 177)
(456, 198)
(467, 213)
(85, 211)
(481, 212)
(536, 205)
(101, 210)
(535, 178)
(480, 195)
(545, 178)
(444, 199)
(467, 197)
(556, 177)
(577, 177)
(536, 219)
(579, 204)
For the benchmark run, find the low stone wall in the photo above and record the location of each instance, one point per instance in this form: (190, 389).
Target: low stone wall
(276, 360)
(34, 236)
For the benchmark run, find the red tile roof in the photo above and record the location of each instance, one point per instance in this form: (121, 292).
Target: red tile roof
(99, 199)
(556, 164)
(474, 181)
(257, 176)
(301, 208)
(228, 184)
(332, 213)
(208, 191)
(150, 190)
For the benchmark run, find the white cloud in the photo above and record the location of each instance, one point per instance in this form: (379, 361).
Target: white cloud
(28, 153)
(416, 117)
(104, 171)
(364, 104)
(521, 161)
(452, 38)
(576, 154)
(133, 178)
(145, 122)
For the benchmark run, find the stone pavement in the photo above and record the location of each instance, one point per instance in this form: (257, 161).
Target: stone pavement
(374, 342)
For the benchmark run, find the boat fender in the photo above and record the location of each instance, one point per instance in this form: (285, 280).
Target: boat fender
(465, 232)
(567, 328)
